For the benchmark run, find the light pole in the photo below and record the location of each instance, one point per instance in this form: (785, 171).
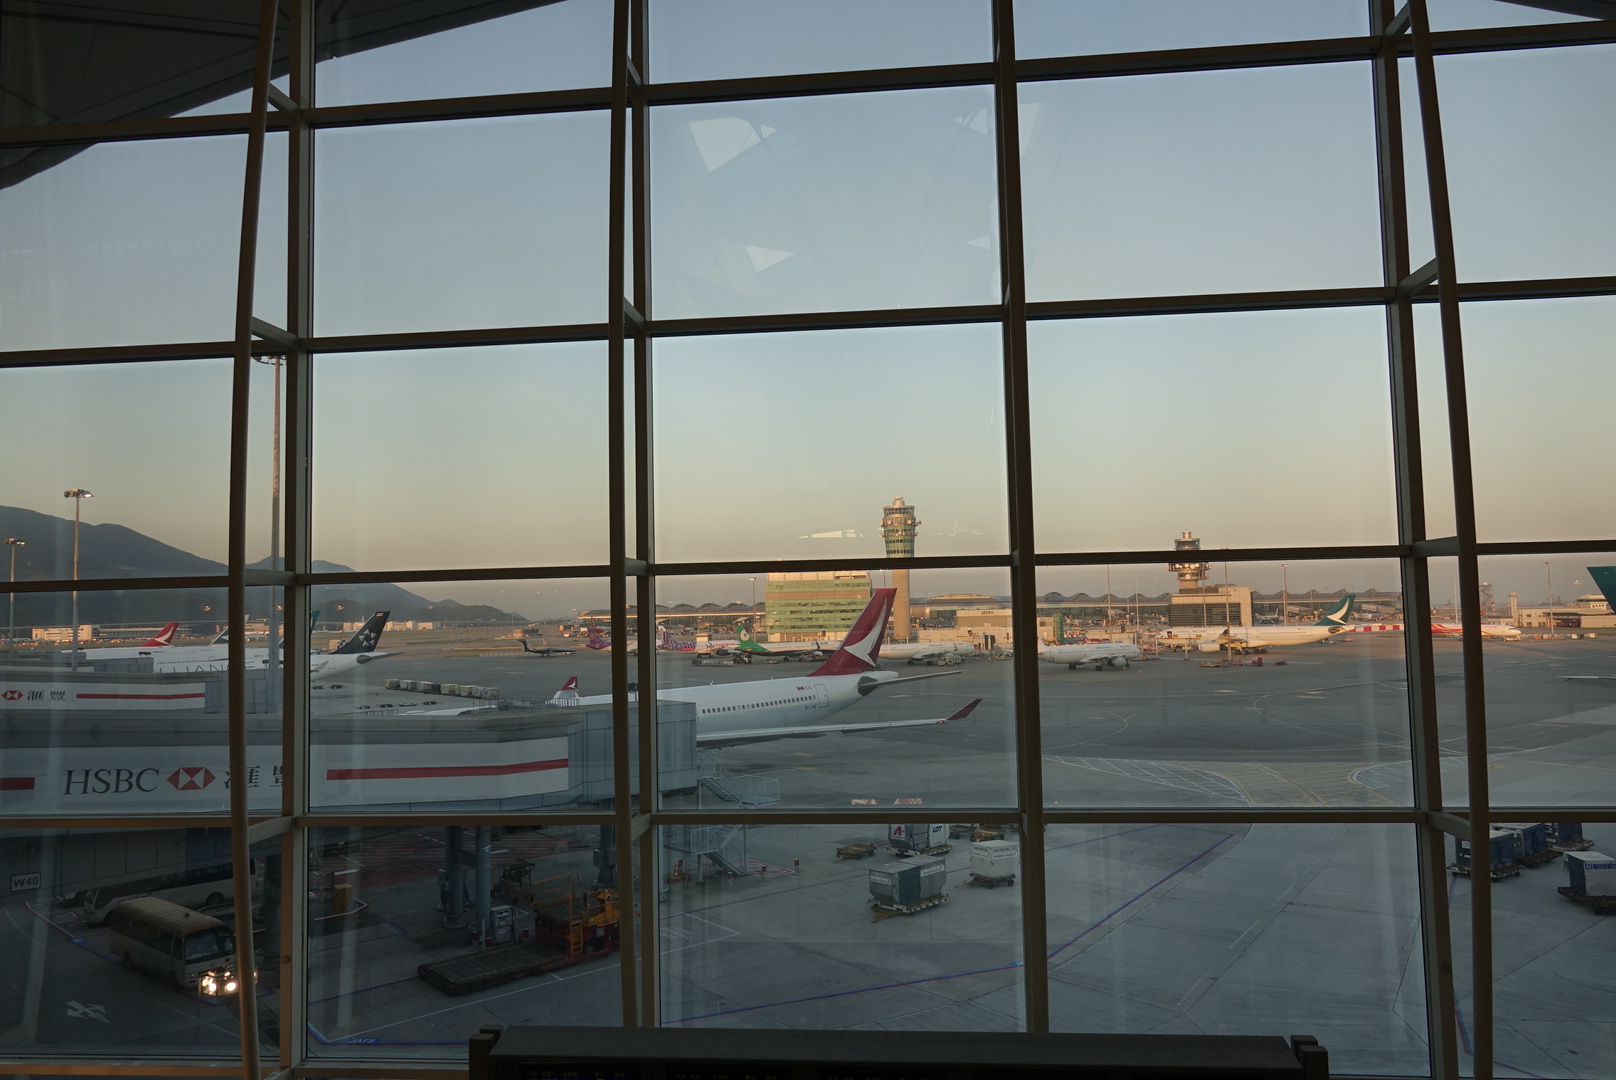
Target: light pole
(754, 619)
(78, 495)
(1548, 577)
(11, 631)
(1284, 595)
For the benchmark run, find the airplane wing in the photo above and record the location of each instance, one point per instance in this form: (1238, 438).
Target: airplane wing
(726, 738)
(874, 683)
(1596, 678)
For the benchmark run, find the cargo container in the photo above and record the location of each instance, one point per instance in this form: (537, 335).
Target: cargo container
(450, 688)
(920, 839)
(995, 862)
(1533, 839)
(1505, 861)
(1591, 881)
(908, 885)
(427, 687)
(1567, 836)
(390, 684)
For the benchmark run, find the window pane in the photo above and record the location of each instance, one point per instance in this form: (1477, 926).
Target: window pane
(510, 436)
(156, 503)
(1241, 930)
(461, 224)
(392, 909)
(848, 202)
(788, 942)
(833, 421)
(1549, 642)
(784, 719)
(1260, 684)
(1206, 182)
(1269, 402)
(1475, 14)
(79, 985)
(1074, 27)
(1527, 364)
(145, 58)
(96, 244)
(733, 39)
(389, 54)
(1528, 148)
(465, 680)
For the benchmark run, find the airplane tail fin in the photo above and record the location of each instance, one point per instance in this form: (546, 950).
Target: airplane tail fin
(1605, 578)
(1337, 616)
(367, 637)
(525, 646)
(860, 650)
(223, 637)
(165, 636)
(571, 683)
(596, 641)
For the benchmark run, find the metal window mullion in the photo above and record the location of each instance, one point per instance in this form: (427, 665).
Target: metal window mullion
(292, 1041)
(1407, 449)
(236, 560)
(617, 434)
(1464, 510)
(1023, 566)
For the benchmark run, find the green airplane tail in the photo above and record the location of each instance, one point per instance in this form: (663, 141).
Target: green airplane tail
(744, 642)
(1338, 615)
(1605, 578)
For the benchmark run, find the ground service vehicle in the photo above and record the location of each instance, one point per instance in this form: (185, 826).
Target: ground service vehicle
(188, 949)
(192, 887)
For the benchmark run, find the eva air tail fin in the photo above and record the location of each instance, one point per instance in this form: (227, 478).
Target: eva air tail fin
(1337, 616)
(744, 642)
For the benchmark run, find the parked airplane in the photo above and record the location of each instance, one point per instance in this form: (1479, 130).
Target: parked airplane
(782, 708)
(545, 650)
(1501, 631)
(598, 643)
(1212, 638)
(746, 643)
(163, 639)
(357, 650)
(1101, 654)
(1605, 578)
(918, 652)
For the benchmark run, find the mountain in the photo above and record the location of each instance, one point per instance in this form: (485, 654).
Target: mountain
(116, 551)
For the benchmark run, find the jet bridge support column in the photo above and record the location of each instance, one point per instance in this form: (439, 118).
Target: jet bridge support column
(454, 873)
(485, 878)
(606, 858)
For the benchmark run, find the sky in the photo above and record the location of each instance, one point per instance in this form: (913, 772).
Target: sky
(1244, 428)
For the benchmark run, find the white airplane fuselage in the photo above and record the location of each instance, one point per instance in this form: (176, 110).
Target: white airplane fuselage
(213, 658)
(1115, 653)
(768, 703)
(914, 650)
(1252, 637)
(1500, 631)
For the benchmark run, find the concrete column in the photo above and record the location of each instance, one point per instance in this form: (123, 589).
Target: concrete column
(485, 877)
(454, 913)
(606, 858)
(900, 606)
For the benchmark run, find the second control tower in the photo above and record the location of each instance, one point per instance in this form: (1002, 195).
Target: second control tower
(898, 530)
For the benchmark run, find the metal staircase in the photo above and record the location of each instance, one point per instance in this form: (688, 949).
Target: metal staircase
(729, 791)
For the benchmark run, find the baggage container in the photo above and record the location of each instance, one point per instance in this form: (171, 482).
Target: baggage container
(1567, 836)
(450, 688)
(1505, 854)
(488, 691)
(427, 687)
(919, 838)
(903, 884)
(1534, 837)
(390, 684)
(1590, 873)
(996, 860)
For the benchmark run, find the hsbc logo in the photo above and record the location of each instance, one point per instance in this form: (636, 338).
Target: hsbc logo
(12, 695)
(191, 778)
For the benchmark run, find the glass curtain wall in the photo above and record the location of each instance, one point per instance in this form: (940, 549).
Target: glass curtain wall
(1093, 487)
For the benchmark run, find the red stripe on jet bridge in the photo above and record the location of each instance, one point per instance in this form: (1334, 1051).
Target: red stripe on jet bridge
(138, 697)
(446, 770)
(16, 783)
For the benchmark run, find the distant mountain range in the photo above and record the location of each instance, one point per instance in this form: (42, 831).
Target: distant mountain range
(107, 551)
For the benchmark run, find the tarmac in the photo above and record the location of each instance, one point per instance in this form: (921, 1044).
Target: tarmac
(1203, 928)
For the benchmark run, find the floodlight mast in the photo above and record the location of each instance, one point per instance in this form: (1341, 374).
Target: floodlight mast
(13, 543)
(78, 495)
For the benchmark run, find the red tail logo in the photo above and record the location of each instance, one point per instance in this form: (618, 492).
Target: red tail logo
(571, 683)
(861, 649)
(165, 636)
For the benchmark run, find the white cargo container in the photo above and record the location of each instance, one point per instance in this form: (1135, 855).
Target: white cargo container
(996, 860)
(1591, 874)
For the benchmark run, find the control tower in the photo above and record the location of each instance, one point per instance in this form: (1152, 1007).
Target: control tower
(898, 530)
(1190, 574)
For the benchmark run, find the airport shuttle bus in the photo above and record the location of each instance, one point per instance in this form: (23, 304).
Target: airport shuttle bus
(206, 886)
(188, 949)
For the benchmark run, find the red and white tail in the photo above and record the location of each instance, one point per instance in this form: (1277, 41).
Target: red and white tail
(165, 636)
(571, 683)
(860, 650)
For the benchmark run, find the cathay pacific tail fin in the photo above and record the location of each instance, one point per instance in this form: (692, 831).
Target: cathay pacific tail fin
(1337, 616)
(860, 650)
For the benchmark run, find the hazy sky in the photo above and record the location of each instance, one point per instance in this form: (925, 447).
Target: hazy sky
(1250, 428)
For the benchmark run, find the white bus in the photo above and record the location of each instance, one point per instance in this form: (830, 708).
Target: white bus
(188, 949)
(206, 886)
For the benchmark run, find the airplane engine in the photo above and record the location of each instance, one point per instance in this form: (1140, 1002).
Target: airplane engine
(1119, 661)
(1209, 646)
